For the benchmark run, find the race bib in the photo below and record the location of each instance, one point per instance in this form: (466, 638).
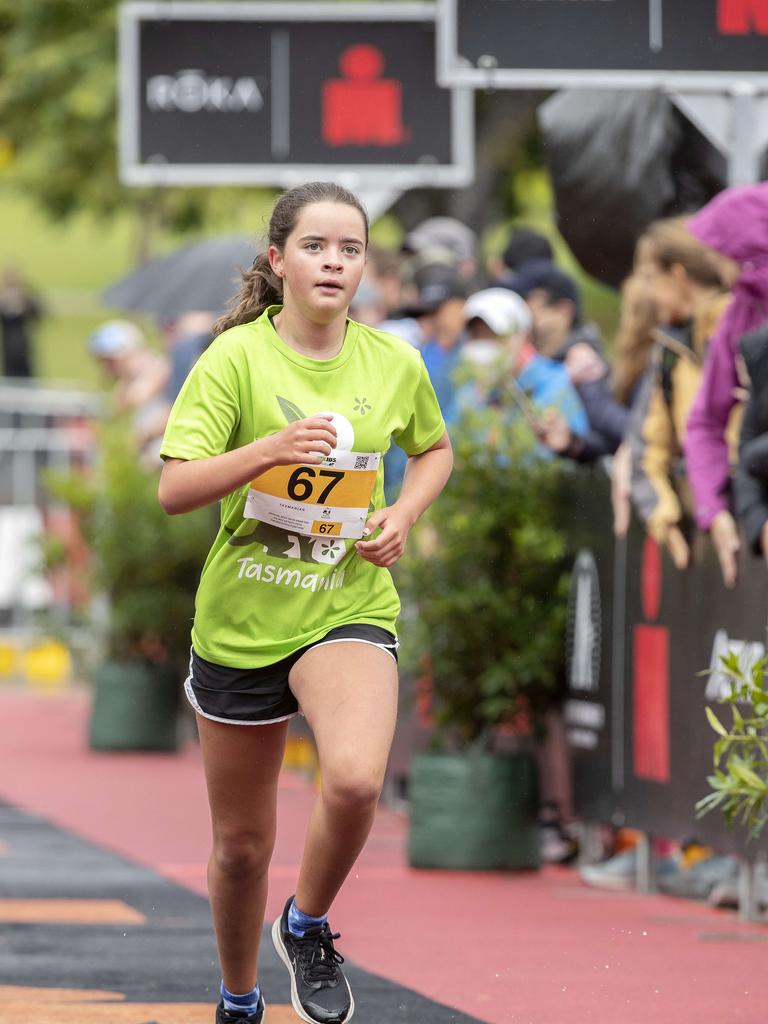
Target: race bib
(331, 499)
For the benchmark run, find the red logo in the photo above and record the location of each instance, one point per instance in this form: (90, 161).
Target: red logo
(650, 710)
(363, 109)
(741, 17)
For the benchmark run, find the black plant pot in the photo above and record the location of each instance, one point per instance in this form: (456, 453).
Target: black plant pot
(135, 707)
(473, 811)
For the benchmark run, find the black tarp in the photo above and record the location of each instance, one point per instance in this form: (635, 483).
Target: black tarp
(619, 160)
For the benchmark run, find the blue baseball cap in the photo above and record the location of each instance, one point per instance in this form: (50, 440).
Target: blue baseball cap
(114, 338)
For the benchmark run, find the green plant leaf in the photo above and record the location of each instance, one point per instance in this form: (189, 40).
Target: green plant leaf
(715, 722)
(746, 775)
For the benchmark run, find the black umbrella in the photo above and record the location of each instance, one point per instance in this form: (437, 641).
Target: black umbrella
(201, 276)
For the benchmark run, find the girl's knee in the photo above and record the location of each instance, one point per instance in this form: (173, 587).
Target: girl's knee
(243, 854)
(355, 790)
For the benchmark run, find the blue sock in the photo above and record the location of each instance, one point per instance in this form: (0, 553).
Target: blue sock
(299, 922)
(248, 1003)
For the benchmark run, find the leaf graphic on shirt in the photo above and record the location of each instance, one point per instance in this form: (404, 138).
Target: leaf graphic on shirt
(290, 411)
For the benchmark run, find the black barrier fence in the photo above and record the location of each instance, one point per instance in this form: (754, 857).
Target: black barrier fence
(644, 648)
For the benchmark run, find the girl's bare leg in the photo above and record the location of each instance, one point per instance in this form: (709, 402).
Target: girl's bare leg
(242, 763)
(348, 693)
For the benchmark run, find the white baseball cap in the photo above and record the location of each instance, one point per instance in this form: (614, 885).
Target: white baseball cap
(505, 312)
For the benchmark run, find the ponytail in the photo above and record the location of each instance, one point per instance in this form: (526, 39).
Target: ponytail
(261, 288)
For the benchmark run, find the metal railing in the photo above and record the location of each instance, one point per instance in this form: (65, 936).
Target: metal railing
(42, 427)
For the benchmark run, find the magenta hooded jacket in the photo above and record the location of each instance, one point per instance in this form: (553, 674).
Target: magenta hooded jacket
(734, 223)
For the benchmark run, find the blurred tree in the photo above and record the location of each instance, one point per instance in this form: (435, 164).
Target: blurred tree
(58, 110)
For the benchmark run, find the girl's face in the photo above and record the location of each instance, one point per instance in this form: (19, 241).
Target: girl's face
(322, 261)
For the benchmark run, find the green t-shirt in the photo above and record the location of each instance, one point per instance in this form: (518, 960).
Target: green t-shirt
(264, 592)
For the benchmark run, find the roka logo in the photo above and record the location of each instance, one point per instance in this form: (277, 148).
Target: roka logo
(191, 91)
(741, 17)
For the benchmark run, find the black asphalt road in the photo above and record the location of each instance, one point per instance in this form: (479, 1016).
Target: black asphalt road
(169, 959)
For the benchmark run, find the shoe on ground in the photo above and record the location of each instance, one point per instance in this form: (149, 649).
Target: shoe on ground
(224, 1016)
(319, 991)
(620, 872)
(725, 894)
(698, 881)
(556, 844)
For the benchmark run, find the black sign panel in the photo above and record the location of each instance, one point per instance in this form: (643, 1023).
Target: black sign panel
(678, 625)
(528, 42)
(255, 95)
(644, 647)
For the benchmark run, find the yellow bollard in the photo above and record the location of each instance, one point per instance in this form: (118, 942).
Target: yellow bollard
(8, 656)
(47, 666)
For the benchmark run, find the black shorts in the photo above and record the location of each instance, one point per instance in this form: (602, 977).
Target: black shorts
(260, 696)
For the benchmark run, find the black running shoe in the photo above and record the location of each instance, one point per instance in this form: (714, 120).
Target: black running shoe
(224, 1016)
(319, 991)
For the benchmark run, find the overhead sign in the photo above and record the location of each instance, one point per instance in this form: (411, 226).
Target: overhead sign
(693, 44)
(274, 93)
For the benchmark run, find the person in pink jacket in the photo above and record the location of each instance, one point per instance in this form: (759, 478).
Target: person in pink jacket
(735, 225)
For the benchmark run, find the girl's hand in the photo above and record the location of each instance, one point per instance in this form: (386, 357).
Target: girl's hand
(387, 548)
(308, 440)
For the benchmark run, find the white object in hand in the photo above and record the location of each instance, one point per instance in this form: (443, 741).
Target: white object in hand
(345, 434)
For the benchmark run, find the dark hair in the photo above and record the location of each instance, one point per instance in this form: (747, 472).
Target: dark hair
(260, 286)
(544, 276)
(525, 245)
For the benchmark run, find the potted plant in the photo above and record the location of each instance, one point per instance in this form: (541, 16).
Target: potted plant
(485, 584)
(147, 565)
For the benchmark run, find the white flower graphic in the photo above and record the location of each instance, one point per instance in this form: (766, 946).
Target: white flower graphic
(328, 551)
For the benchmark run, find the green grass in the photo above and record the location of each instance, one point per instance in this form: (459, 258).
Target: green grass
(69, 264)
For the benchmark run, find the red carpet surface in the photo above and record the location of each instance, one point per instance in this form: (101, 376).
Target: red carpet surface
(506, 948)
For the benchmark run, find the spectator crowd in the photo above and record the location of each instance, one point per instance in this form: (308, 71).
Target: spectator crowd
(678, 414)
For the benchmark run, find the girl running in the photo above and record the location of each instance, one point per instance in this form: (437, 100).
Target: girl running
(285, 419)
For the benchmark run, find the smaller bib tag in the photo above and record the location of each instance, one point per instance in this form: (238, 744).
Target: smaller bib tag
(331, 499)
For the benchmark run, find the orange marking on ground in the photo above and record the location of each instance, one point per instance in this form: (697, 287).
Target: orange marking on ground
(77, 1006)
(68, 912)
(15, 993)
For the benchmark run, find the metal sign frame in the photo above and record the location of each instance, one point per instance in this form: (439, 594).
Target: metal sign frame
(459, 173)
(454, 71)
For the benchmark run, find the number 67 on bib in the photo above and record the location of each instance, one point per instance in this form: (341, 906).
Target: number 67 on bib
(331, 499)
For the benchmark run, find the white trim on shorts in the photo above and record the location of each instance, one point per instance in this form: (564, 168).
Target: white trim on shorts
(388, 648)
(190, 693)
(227, 721)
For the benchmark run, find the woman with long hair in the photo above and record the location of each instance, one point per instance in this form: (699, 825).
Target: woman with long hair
(685, 283)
